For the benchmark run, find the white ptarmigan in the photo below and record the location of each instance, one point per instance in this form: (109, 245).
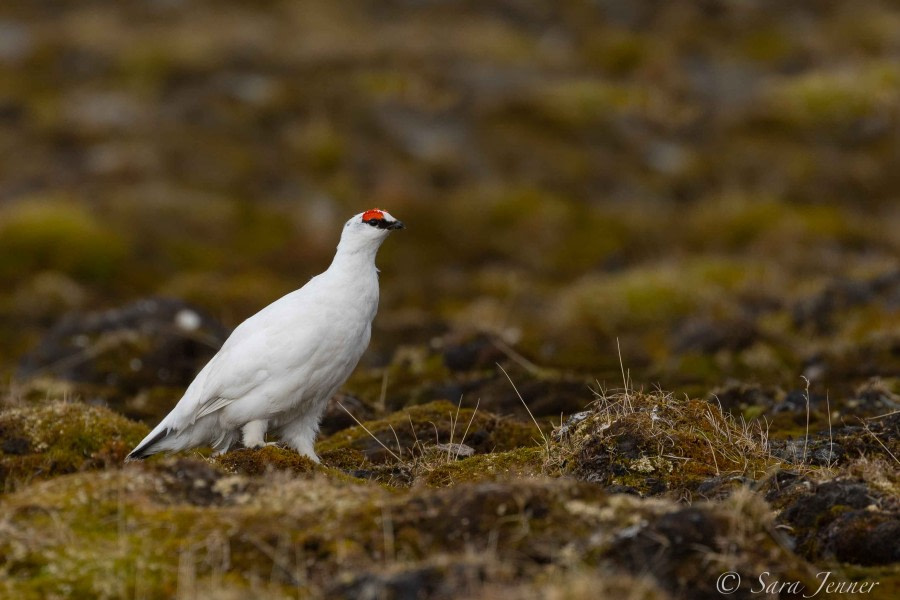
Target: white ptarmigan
(278, 369)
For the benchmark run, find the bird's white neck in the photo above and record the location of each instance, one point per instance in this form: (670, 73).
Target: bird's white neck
(355, 255)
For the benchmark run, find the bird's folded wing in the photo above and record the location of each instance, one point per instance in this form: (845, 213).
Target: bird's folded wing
(211, 406)
(248, 359)
(227, 385)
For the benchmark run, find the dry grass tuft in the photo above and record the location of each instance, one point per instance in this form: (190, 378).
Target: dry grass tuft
(654, 442)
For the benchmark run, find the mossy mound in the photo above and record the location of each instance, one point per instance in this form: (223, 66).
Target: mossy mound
(440, 465)
(519, 463)
(405, 432)
(50, 234)
(147, 530)
(257, 461)
(151, 529)
(43, 441)
(655, 443)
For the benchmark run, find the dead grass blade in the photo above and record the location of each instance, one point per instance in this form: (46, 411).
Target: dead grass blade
(366, 429)
(472, 418)
(522, 400)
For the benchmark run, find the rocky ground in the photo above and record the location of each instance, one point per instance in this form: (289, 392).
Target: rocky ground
(643, 328)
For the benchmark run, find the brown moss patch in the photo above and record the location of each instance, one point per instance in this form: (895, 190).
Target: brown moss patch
(257, 461)
(344, 458)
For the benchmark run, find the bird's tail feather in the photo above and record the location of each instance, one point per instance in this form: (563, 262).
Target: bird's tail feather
(146, 447)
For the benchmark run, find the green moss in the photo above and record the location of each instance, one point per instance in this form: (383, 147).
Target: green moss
(522, 462)
(62, 437)
(766, 45)
(888, 578)
(617, 52)
(345, 459)
(406, 431)
(54, 235)
(261, 234)
(697, 367)
(150, 404)
(837, 99)
(239, 295)
(118, 536)
(383, 83)
(654, 296)
(579, 103)
(411, 377)
(146, 66)
(258, 461)
(734, 223)
(323, 147)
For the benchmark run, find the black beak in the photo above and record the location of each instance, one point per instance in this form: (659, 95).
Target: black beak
(397, 225)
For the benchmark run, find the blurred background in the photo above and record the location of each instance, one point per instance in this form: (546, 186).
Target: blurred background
(713, 185)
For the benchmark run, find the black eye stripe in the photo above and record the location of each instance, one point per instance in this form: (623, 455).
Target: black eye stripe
(379, 223)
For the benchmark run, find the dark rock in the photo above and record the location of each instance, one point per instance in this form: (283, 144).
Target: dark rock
(844, 368)
(655, 486)
(807, 511)
(552, 397)
(875, 396)
(671, 548)
(548, 397)
(796, 401)
(416, 583)
(151, 342)
(17, 446)
(863, 537)
(845, 521)
(336, 418)
(818, 451)
(737, 396)
(622, 489)
(476, 353)
(818, 312)
(706, 335)
(875, 437)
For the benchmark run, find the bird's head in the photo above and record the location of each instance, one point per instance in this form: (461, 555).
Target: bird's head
(366, 231)
(373, 224)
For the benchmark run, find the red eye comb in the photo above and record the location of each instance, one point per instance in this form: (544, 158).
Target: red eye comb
(375, 213)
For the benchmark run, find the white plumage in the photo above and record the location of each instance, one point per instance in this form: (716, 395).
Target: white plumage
(278, 369)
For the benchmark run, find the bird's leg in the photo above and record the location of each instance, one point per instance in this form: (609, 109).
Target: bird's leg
(254, 434)
(300, 434)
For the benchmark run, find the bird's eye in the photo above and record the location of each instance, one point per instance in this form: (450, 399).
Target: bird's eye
(373, 222)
